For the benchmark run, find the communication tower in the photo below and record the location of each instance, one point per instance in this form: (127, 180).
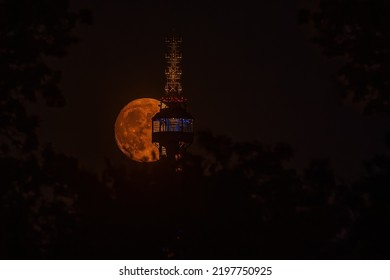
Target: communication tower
(173, 126)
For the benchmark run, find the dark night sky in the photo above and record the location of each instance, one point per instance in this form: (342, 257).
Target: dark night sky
(249, 71)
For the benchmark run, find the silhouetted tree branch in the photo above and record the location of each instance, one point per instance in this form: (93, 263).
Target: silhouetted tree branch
(357, 32)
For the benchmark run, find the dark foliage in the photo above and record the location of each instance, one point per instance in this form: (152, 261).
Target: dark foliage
(36, 201)
(357, 32)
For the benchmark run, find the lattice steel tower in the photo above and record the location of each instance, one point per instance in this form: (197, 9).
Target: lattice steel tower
(172, 129)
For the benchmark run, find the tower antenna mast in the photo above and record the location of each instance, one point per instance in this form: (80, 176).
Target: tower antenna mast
(173, 72)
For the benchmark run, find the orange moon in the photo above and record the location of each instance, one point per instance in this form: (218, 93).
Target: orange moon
(133, 130)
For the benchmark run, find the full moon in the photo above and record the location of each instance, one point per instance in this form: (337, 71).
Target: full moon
(133, 130)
